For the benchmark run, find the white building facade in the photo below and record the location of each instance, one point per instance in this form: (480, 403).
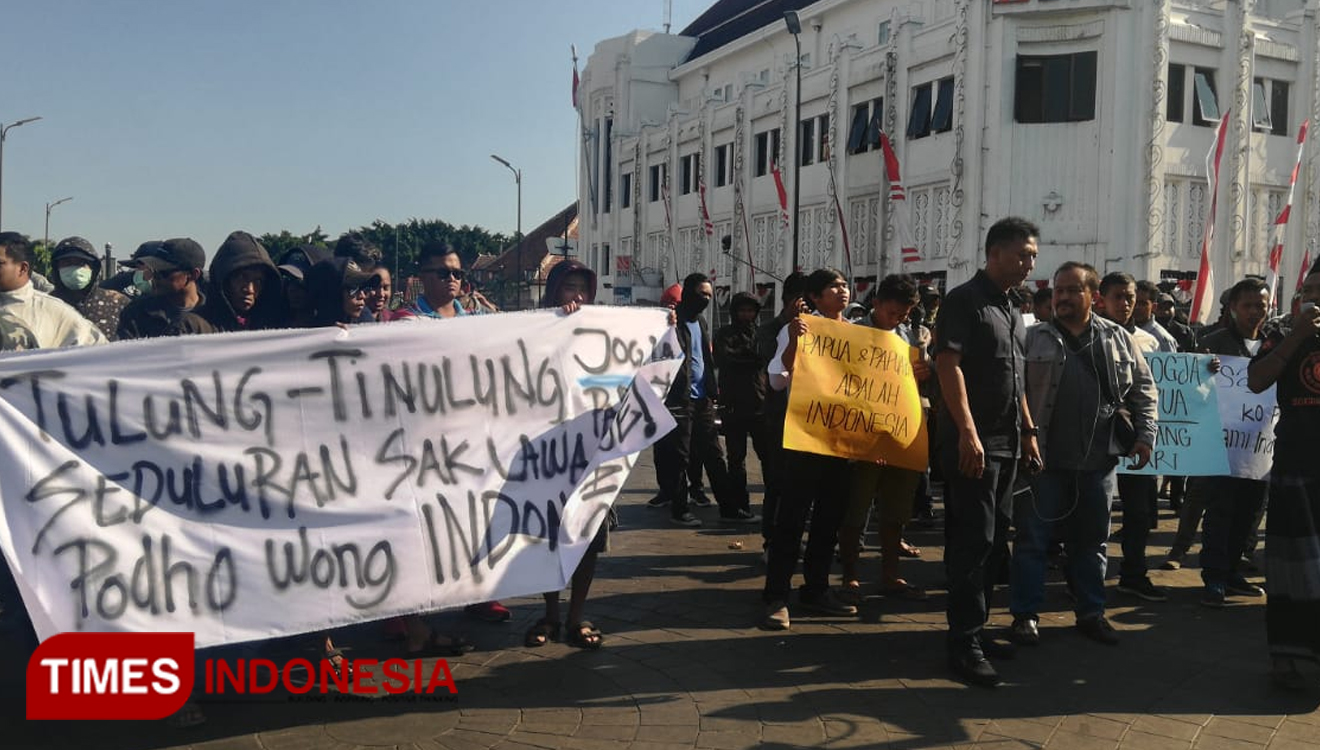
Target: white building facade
(1092, 118)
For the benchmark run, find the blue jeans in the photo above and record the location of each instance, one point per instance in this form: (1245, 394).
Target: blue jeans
(1076, 503)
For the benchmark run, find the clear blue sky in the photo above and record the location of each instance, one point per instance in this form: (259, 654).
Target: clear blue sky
(168, 118)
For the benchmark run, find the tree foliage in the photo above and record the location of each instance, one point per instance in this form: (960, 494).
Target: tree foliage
(405, 239)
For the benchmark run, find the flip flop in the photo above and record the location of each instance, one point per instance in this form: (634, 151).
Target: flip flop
(541, 633)
(907, 550)
(583, 635)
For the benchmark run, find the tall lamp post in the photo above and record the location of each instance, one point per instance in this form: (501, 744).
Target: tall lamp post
(517, 252)
(4, 131)
(795, 28)
(50, 206)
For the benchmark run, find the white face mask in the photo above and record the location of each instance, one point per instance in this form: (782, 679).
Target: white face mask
(141, 282)
(76, 277)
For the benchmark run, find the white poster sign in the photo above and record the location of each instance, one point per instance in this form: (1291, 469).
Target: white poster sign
(1249, 420)
(243, 486)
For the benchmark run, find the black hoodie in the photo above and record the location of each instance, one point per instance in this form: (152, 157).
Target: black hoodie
(742, 375)
(326, 282)
(99, 305)
(241, 250)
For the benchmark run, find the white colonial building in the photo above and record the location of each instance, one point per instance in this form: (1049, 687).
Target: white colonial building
(1091, 117)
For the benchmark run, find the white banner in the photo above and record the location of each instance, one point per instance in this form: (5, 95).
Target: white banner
(244, 486)
(1248, 420)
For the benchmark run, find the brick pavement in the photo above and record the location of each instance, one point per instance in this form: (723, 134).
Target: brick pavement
(684, 667)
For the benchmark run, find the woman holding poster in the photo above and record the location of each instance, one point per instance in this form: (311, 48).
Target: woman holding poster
(1292, 532)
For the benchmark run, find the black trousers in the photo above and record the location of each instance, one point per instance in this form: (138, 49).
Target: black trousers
(816, 486)
(738, 429)
(977, 516)
(693, 439)
(1231, 510)
(1139, 494)
(772, 469)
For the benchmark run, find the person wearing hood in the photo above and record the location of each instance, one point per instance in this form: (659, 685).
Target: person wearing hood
(691, 400)
(77, 270)
(176, 299)
(742, 381)
(245, 292)
(36, 319)
(294, 267)
(337, 289)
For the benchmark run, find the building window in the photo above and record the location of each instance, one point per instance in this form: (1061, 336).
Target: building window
(1055, 88)
(805, 60)
(625, 190)
(688, 166)
(767, 151)
(867, 122)
(883, 37)
(823, 138)
(653, 193)
(807, 141)
(1177, 92)
(1269, 106)
(722, 165)
(932, 109)
(1206, 111)
(604, 266)
(609, 164)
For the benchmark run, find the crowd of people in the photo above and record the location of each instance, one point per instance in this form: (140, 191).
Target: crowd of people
(1003, 371)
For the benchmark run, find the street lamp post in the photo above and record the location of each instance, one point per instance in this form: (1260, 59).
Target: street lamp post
(517, 252)
(4, 130)
(795, 28)
(50, 206)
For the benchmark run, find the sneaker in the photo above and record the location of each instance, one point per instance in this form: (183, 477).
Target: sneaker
(1143, 589)
(741, 516)
(659, 501)
(776, 616)
(1242, 587)
(699, 498)
(1213, 595)
(827, 603)
(1174, 560)
(973, 667)
(489, 612)
(1025, 631)
(687, 519)
(1099, 630)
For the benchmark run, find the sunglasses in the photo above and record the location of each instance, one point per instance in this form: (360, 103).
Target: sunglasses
(357, 291)
(445, 274)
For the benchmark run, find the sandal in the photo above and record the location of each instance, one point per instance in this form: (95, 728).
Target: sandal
(904, 590)
(544, 631)
(907, 550)
(850, 593)
(190, 715)
(584, 635)
(440, 645)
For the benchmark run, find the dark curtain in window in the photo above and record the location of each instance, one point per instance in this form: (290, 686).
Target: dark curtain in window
(919, 121)
(943, 120)
(1279, 107)
(877, 123)
(1028, 104)
(1177, 93)
(857, 131)
(1082, 104)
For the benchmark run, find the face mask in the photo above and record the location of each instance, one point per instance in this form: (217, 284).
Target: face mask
(76, 277)
(141, 282)
(694, 306)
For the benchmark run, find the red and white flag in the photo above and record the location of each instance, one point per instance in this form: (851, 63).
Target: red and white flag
(1301, 272)
(706, 223)
(1203, 296)
(1281, 223)
(783, 194)
(898, 203)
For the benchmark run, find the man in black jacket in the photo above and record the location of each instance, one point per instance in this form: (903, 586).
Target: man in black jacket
(691, 401)
(175, 300)
(245, 292)
(742, 382)
(77, 272)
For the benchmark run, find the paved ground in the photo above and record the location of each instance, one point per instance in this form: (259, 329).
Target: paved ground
(684, 667)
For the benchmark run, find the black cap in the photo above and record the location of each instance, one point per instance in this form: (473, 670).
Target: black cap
(75, 247)
(176, 254)
(356, 278)
(150, 247)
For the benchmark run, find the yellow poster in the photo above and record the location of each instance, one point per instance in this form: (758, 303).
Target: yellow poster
(853, 395)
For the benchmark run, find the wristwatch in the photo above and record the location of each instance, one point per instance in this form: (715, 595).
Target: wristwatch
(1031, 432)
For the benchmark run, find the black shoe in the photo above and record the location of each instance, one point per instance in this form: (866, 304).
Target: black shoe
(741, 515)
(1144, 589)
(659, 501)
(1242, 587)
(998, 650)
(827, 603)
(1025, 631)
(1099, 630)
(1213, 595)
(699, 498)
(973, 667)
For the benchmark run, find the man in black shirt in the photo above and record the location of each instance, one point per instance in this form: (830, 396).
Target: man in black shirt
(984, 428)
